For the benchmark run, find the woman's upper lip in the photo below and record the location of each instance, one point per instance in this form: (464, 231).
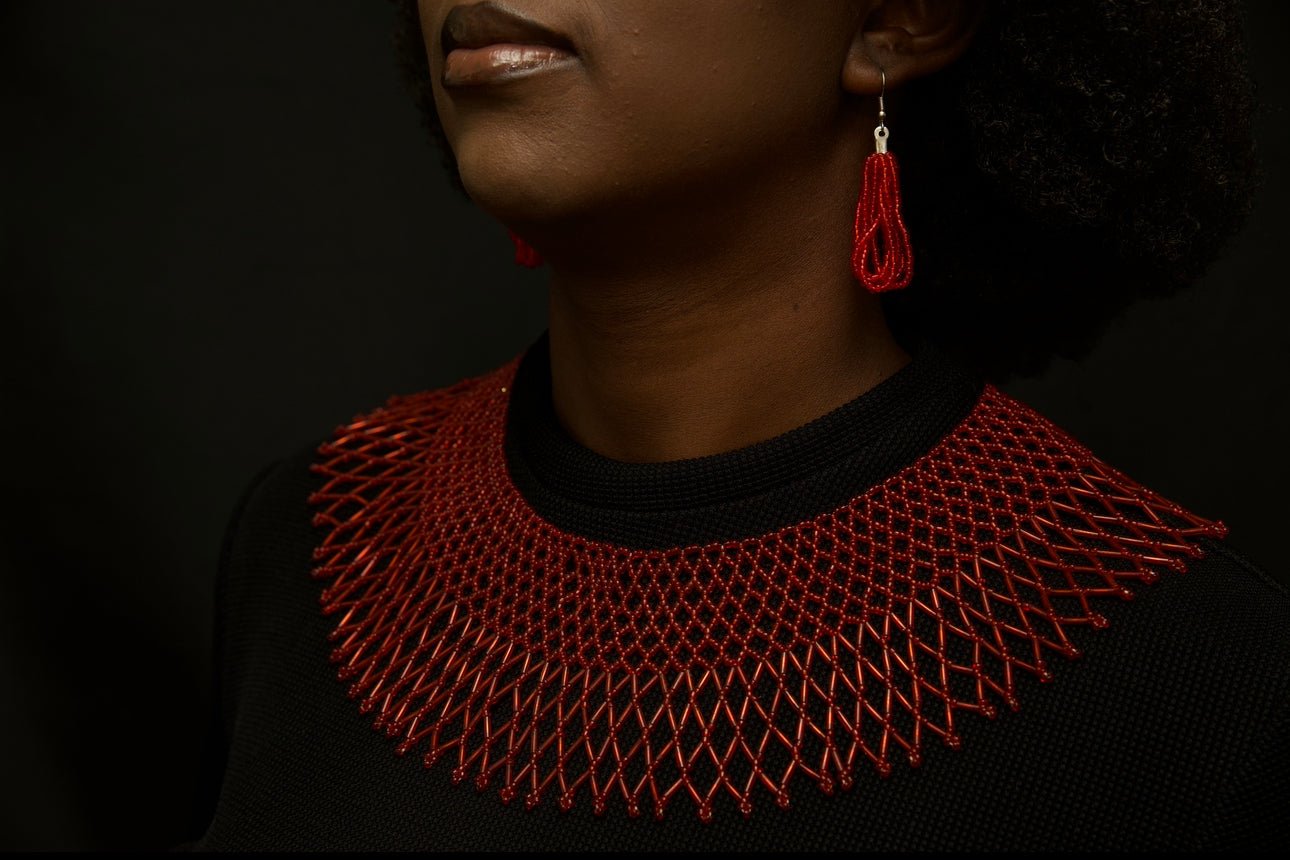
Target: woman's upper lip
(479, 25)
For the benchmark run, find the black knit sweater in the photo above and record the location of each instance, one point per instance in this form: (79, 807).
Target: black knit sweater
(1169, 731)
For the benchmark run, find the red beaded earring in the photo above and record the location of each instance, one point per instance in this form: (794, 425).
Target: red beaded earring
(881, 257)
(524, 253)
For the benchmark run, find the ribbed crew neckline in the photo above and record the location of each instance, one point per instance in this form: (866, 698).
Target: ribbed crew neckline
(807, 471)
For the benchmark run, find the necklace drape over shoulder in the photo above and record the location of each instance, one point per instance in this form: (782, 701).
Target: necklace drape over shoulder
(523, 656)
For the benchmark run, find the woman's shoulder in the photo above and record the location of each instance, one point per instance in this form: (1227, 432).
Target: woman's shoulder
(1008, 440)
(1011, 439)
(283, 483)
(1241, 611)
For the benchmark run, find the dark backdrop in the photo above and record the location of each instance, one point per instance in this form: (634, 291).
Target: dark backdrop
(224, 234)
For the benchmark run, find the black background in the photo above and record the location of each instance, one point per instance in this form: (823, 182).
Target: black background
(224, 234)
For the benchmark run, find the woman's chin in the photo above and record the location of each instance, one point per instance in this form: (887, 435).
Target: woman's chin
(532, 201)
(511, 195)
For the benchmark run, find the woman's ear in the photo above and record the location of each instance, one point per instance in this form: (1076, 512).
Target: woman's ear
(908, 39)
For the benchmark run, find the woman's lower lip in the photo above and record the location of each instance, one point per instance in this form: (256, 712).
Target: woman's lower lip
(465, 67)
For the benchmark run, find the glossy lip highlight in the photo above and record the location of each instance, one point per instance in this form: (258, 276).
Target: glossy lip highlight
(496, 63)
(486, 43)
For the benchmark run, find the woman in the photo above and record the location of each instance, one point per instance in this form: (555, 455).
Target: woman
(742, 554)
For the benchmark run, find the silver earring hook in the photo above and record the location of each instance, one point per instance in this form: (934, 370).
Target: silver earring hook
(880, 133)
(882, 107)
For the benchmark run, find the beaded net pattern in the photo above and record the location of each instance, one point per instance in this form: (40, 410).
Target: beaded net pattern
(550, 666)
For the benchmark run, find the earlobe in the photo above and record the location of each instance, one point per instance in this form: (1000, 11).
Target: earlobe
(908, 39)
(873, 53)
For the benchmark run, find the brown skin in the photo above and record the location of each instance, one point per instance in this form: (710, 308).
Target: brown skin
(692, 182)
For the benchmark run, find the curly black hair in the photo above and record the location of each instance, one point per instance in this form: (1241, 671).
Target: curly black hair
(1079, 156)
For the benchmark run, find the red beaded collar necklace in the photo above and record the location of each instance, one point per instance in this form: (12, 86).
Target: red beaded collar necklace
(549, 665)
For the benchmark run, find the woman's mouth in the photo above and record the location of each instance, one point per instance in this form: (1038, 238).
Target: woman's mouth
(485, 43)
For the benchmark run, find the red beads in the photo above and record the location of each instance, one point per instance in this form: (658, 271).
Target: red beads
(525, 255)
(552, 666)
(881, 259)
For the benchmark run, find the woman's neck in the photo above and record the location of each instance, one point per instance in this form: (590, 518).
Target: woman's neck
(727, 348)
(682, 382)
